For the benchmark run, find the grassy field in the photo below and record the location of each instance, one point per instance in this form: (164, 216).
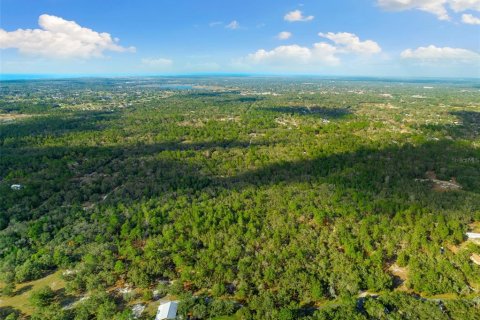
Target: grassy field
(20, 299)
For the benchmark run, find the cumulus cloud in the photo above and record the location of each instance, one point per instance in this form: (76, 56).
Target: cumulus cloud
(350, 43)
(60, 38)
(233, 25)
(470, 19)
(284, 35)
(321, 53)
(157, 62)
(436, 54)
(464, 5)
(297, 15)
(436, 7)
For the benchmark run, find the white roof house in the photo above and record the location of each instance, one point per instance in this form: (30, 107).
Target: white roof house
(167, 310)
(16, 186)
(473, 235)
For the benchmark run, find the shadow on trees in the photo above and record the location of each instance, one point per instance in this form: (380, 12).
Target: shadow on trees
(467, 128)
(225, 97)
(395, 173)
(56, 124)
(6, 311)
(323, 112)
(64, 298)
(64, 176)
(66, 181)
(385, 170)
(23, 290)
(60, 177)
(139, 149)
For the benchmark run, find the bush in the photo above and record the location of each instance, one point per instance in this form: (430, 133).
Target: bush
(9, 289)
(42, 297)
(28, 271)
(221, 308)
(162, 290)
(52, 312)
(147, 295)
(199, 311)
(11, 316)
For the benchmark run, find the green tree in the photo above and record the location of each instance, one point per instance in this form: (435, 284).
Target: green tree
(42, 297)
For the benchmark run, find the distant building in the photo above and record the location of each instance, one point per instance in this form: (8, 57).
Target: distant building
(16, 186)
(167, 310)
(473, 235)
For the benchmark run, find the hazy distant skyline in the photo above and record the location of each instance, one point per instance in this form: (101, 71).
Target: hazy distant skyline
(348, 37)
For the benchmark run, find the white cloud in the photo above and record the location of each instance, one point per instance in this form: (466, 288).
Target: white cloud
(321, 53)
(325, 53)
(157, 62)
(281, 54)
(297, 15)
(436, 7)
(233, 25)
(436, 54)
(470, 19)
(350, 43)
(284, 35)
(464, 5)
(60, 38)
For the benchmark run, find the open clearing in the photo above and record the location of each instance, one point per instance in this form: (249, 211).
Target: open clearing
(20, 300)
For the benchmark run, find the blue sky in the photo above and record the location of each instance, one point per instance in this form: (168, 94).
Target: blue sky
(343, 37)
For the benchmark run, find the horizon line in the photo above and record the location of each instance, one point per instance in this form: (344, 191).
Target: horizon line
(65, 76)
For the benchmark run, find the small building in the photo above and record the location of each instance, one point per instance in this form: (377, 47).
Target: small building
(167, 310)
(16, 187)
(473, 235)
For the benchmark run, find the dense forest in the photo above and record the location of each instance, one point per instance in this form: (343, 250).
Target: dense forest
(240, 197)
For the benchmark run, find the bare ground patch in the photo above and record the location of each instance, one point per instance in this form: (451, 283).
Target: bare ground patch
(194, 123)
(7, 117)
(441, 185)
(400, 276)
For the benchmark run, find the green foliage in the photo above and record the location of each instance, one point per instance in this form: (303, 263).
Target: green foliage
(98, 306)
(8, 289)
(42, 297)
(347, 310)
(162, 289)
(401, 306)
(205, 308)
(277, 201)
(52, 312)
(11, 316)
(9, 313)
(147, 295)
